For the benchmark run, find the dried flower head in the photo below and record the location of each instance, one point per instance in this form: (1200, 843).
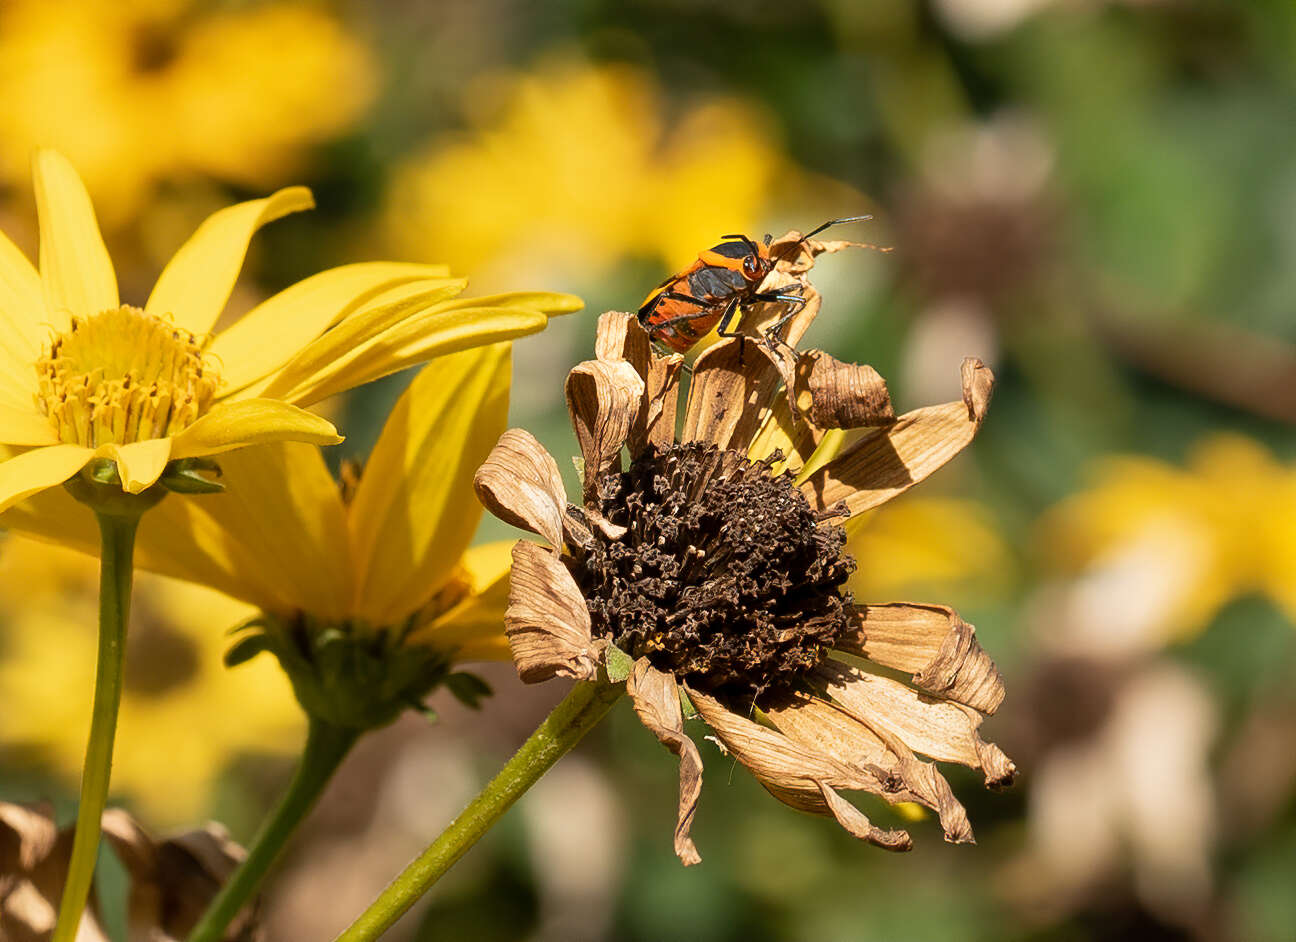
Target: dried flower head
(172, 880)
(708, 574)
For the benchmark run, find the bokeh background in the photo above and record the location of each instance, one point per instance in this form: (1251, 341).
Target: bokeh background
(1098, 199)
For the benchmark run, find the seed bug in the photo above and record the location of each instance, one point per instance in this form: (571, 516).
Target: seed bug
(682, 309)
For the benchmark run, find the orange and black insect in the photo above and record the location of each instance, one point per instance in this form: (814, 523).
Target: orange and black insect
(682, 309)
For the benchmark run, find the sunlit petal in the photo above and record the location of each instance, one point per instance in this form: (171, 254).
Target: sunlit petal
(22, 313)
(35, 470)
(76, 273)
(274, 331)
(20, 426)
(139, 464)
(251, 422)
(411, 518)
(197, 282)
(429, 334)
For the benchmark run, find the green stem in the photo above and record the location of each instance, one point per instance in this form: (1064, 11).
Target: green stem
(562, 729)
(326, 746)
(115, 568)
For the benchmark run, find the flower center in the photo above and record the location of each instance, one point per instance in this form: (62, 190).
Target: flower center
(725, 575)
(123, 376)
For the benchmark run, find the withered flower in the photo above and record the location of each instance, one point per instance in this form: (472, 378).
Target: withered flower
(171, 881)
(708, 574)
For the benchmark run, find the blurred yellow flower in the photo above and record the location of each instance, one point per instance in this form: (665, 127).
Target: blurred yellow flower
(184, 717)
(85, 377)
(157, 90)
(1221, 527)
(578, 166)
(927, 544)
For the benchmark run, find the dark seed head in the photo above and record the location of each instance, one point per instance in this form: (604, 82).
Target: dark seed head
(725, 577)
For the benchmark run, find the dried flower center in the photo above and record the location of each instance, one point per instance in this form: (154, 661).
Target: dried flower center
(123, 376)
(725, 577)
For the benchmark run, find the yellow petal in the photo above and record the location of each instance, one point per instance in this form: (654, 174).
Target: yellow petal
(76, 272)
(345, 340)
(413, 513)
(139, 464)
(275, 538)
(197, 281)
(251, 422)
(20, 426)
(35, 470)
(22, 314)
(417, 339)
(274, 331)
(474, 628)
(282, 526)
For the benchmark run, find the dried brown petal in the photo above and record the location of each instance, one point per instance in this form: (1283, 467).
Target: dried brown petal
(939, 729)
(621, 337)
(893, 459)
(796, 776)
(172, 881)
(882, 767)
(933, 644)
(733, 387)
(519, 482)
(603, 398)
(547, 624)
(842, 395)
(655, 695)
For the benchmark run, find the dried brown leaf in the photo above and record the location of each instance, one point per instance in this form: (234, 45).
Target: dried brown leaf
(547, 623)
(603, 398)
(655, 696)
(892, 459)
(796, 776)
(933, 644)
(519, 482)
(939, 729)
(842, 395)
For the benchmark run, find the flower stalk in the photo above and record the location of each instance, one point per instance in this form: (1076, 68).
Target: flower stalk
(327, 746)
(577, 713)
(117, 530)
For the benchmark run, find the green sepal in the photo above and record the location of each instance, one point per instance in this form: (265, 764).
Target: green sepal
(618, 663)
(189, 476)
(686, 705)
(468, 689)
(347, 674)
(245, 649)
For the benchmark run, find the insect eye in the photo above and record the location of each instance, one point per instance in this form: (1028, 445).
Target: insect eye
(751, 266)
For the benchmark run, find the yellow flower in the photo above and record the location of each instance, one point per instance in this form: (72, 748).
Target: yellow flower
(83, 376)
(183, 716)
(381, 568)
(135, 93)
(588, 156)
(1208, 533)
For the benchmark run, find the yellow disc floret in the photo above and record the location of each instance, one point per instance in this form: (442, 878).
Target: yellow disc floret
(123, 376)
